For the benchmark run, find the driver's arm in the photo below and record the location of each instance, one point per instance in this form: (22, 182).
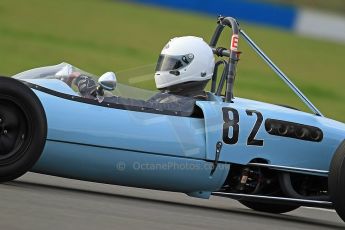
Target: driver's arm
(70, 78)
(86, 85)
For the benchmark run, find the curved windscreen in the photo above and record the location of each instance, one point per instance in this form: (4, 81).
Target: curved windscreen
(67, 79)
(64, 78)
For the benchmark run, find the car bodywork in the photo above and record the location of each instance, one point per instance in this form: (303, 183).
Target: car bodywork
(194, 154)
(91, 141)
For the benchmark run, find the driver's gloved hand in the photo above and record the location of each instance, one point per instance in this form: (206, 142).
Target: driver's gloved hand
(87, 86)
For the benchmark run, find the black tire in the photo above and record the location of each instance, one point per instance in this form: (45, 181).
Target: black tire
(23, 129)
(336, 180)
(269, 208)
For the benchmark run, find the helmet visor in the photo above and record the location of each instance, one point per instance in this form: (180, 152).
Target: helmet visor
(169, 62)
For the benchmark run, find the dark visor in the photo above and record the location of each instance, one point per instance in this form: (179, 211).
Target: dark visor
(167, 62)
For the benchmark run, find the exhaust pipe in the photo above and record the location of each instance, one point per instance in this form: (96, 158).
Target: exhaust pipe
(283, 130)
(315, 135)
(301, 133)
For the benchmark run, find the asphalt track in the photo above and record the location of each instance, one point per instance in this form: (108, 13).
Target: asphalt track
(42, 202)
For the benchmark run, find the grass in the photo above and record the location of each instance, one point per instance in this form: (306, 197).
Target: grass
(103, 35)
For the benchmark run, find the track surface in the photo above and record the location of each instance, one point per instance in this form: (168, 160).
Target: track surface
(42, 202)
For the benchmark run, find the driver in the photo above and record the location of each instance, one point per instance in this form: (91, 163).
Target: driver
(184, 67)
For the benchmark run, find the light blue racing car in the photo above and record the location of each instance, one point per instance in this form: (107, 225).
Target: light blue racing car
(268, 157)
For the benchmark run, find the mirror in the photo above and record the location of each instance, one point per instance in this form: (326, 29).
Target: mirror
(108, 81)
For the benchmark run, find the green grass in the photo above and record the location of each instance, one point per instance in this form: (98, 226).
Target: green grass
(104, 35)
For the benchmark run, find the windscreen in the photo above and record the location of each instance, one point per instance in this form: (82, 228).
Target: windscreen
(64, 75)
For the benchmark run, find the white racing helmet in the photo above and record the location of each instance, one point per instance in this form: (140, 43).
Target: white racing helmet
(184, 59)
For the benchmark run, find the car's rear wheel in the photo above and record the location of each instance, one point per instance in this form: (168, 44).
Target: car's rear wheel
(23, 129)
(336, 180)
(269, 208)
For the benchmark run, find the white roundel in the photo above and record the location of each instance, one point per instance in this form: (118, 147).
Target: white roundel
(184, 59)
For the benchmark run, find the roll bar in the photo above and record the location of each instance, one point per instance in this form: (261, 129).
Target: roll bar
(223, 77)
(233, 55)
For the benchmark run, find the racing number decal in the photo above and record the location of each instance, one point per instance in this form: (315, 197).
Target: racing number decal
(251, 139)
(234, 124)
(230, 123)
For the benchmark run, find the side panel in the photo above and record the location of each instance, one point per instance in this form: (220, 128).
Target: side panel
(277, 150)
(130, 168)
(106, 145)
(82, 123)
(213, 128)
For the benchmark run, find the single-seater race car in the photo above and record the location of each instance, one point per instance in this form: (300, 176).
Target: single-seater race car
(268, 157)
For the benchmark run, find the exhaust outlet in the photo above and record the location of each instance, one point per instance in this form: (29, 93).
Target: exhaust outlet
(269, 127)
(293, 130)
(301, 132)
(283, 130)
(315, 135)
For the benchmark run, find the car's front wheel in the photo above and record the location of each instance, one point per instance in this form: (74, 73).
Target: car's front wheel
(336, 180)
(23, 129)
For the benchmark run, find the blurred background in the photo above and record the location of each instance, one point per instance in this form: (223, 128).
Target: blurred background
(305, 38)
